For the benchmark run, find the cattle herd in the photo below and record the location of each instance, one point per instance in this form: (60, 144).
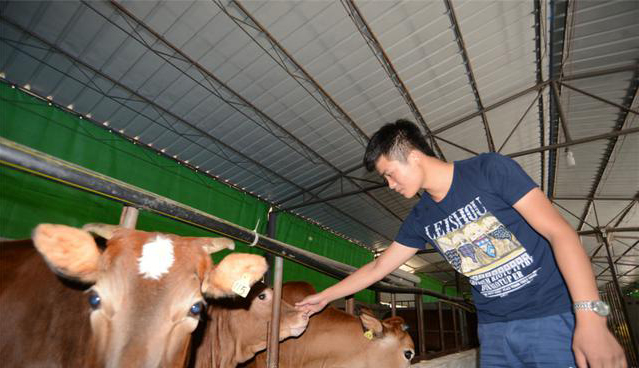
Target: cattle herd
(105, 296)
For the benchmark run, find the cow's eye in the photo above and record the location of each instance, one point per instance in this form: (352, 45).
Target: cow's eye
(262, 296)
(94, 300)
(408, 354)
(196, 309)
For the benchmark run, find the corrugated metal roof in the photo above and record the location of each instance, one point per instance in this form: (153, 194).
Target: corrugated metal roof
(278, 97)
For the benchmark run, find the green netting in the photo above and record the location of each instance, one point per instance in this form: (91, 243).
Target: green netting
(28, 200)
(430, 283)
(295, 231)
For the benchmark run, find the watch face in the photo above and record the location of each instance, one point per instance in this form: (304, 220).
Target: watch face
(601, 308)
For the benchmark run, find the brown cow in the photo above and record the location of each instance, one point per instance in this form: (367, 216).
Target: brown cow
(337, 339)
(146, 296)
(237, 328)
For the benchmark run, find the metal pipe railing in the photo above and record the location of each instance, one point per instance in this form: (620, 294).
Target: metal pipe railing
(29, 160)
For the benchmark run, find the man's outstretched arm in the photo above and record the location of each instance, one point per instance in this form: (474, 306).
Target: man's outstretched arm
(393, 257)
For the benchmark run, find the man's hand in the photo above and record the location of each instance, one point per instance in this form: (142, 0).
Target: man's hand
(595, 346)
(312, 304)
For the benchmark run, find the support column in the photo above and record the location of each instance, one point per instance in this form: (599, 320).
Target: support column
(272, 352)
(441, 326)
(454, 313)
(419, 308)
(349, 305)
(129, 217)
(393, 305)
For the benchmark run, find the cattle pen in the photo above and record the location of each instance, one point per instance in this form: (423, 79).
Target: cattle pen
(39, 164)
(159, 158)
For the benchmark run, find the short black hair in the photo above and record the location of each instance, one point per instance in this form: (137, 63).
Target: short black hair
(395, 141)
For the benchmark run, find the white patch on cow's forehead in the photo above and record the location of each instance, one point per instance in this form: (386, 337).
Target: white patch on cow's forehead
(157, 258)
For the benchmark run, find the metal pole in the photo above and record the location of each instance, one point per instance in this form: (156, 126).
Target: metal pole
(575, 142)
(419, 308)
(129, 217)
(272, 352)
(349, 305)
(454, 313)
(463, 327)
(393, 305)
(29, 160)
(441, 326)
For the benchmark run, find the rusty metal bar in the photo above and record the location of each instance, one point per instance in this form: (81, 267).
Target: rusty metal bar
(624, 108)
(490, 107)
(419, 308)
(560, 109)
(26, 159)
(599, 73)
(349, 305)
(520, 120)
(576, 141)
(441, 326)
(273, 343)
(387, 65)
(469, 71)
(129, 217)
(455, 330)
(283, 58)
(393, 304)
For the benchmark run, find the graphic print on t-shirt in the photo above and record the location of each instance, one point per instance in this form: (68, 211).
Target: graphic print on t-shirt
(479, 246)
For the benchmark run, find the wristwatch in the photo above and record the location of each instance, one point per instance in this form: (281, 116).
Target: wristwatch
(598, 306)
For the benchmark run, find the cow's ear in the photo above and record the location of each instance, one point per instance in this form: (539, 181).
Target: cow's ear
(234, 275)
(70, 252)
(371, 323)
(213, 245)
(105, 231)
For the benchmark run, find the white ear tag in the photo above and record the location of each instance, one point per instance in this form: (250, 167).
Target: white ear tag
(242, 286)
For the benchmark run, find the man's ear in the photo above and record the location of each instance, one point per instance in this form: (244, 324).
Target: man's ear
(413, 156)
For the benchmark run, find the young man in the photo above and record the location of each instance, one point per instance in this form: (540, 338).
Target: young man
(492, 223)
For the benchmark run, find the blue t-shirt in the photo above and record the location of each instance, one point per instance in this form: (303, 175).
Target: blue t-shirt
(510, 266)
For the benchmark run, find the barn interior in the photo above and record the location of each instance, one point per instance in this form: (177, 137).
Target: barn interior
(249, 119)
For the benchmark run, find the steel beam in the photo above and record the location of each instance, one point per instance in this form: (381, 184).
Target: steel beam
(576, 142)
(558, 23)
(221, 145)
(387, 65)
(497, 104)
(588, 198)
(539, 78)
(512, 131)
(626, 109)
(242, 105)
(337, 196)
(28, 160)
(469, 71)
(254, 29)
(622, 121)
(602, 72)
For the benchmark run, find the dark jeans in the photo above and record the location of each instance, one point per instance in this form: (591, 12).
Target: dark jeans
(537, 342)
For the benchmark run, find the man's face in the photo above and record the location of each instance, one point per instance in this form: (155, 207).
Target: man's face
(402, 177)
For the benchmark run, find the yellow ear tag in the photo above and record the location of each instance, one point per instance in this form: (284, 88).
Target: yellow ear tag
(242, 286)
(368, 334)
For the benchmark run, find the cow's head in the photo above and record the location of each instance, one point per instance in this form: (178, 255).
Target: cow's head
(148, 289)
(395, 344)
(246, 325)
